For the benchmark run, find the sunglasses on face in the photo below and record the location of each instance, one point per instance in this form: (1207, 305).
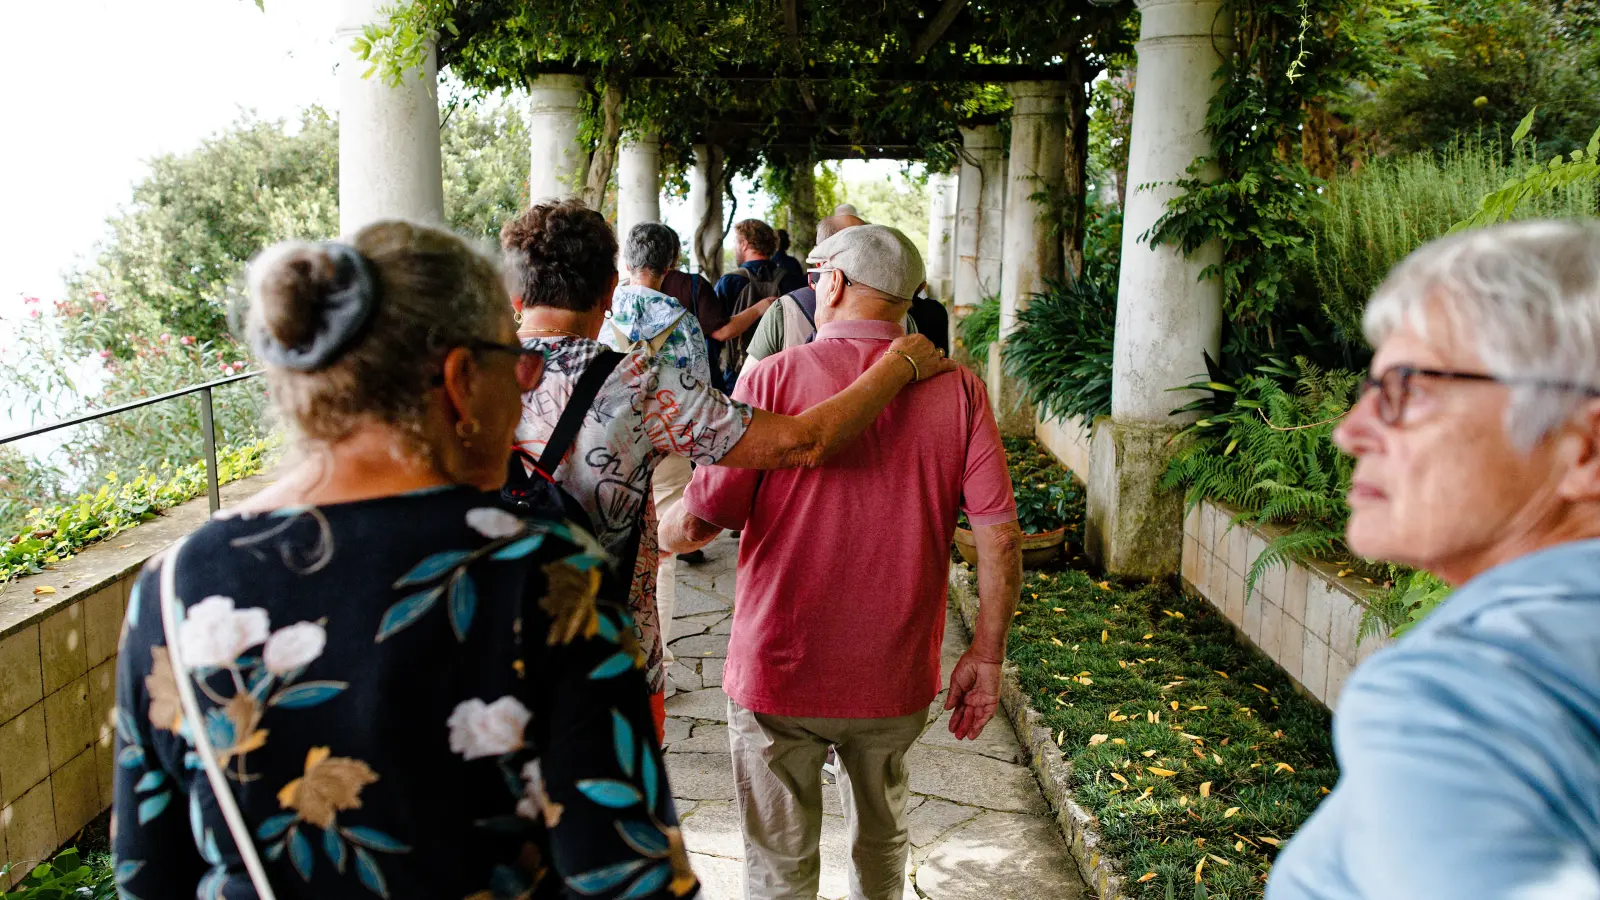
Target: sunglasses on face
(814, 277)
(529, 360)
(1393, 387)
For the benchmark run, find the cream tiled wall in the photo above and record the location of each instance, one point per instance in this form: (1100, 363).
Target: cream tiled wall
(1305, 618)
(57, 683)
(1069, 441)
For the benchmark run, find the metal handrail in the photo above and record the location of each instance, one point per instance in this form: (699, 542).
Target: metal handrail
(208, 424)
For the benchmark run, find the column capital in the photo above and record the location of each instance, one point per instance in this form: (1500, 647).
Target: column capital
(645, 139)
(980, 137)
(555, 92)
(1165, 19)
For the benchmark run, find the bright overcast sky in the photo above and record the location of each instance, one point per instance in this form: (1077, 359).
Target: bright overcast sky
(100, 86)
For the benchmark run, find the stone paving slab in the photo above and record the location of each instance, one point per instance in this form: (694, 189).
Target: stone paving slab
(980, 829)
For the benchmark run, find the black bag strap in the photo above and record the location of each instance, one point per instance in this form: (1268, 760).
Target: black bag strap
(583, 396)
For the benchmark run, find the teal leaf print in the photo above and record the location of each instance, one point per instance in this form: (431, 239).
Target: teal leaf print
(651, 781)
(407, 611)
(652, 880)
(211, 886)
(150, 807)
(308, 694)
(608, 629)
(374, 839)
(615, 665)
(300, 854)
(275, 851)
(149, 781)
(209, 851)
(273, 828)
(133, 604)
(191, 761)
(126, 869)
(463, 604)
(622, 736)
(432, 567)
(519, 548)
(131, 757)
(370, 875)
(219, 728)
(606, 878)
(333, 845)
(583, 562)
(645, 839)
(609, 792)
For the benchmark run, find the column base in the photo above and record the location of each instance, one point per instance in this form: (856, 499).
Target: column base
(1133, 527)
(1012, 410)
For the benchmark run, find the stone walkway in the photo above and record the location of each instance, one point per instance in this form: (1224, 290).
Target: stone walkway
(980, 829)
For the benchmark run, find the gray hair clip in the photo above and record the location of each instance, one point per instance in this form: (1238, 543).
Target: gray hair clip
(345, 315)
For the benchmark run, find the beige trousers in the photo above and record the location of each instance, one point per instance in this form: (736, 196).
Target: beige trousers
(668, 482)
(777, 769)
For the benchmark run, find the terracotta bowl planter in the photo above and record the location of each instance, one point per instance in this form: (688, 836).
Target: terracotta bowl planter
(1037, 549)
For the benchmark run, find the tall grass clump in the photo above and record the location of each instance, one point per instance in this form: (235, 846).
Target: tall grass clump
(1377, 215)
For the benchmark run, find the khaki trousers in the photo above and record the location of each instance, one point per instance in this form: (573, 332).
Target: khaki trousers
(777, 769)
(668, 482)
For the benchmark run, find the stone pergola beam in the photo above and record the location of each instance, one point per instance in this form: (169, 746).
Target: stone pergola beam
(1167, 317)
(389, 160)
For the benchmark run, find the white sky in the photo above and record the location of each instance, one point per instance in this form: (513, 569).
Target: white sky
(98, 87)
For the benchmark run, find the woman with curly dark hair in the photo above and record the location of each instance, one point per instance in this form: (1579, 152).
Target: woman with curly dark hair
(562, 258)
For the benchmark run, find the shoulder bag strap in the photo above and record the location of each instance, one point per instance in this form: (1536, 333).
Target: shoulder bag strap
(583, 396)
(226, 802)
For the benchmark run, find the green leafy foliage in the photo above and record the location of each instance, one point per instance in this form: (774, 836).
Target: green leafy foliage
(1231, 772)
(69, 876)
(53, 535)
(1061, 348)
(1378, 215)
(1400, 607)
(1571, 182)
(981, 328)
(1047, 496)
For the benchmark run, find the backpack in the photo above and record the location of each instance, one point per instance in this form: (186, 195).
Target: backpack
(763, 282)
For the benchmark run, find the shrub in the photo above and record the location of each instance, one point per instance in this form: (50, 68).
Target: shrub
(68, 875)
(1047, 496)
(980, 329)
(1061, 348)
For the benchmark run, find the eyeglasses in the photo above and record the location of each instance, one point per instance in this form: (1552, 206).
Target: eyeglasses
(814, 276)
(529, 360)
(1393, 387)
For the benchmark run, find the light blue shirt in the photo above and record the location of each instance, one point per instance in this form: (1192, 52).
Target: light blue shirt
(643, 314)
(1469, 752)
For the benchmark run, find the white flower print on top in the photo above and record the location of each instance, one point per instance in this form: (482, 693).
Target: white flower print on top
(214, 634)
(535, 803)
(294, 647)
(493, 523)
(479, 729)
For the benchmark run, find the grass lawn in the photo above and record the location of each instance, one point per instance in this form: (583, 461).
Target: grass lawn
(1193, 751)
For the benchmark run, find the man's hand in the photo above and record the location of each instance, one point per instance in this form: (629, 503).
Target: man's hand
(930, 360)
(974, 695)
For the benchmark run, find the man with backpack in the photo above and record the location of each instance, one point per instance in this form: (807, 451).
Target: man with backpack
(749, 290)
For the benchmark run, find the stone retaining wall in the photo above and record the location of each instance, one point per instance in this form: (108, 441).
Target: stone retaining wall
(1068, 441)
(58, 655)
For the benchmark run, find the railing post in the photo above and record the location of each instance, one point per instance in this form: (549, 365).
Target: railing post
(208, 427)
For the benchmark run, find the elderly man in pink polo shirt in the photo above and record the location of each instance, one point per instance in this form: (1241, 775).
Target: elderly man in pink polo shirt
(840, 606)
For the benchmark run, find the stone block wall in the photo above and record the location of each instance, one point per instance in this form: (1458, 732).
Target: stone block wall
(1304, 617)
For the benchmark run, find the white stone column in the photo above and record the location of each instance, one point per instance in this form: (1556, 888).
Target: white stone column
(638, 185)
(705, 210)
(1167, 318)
(1031, 253)
(388, 134)
(941, 233)
(980, 210)
(557, 159)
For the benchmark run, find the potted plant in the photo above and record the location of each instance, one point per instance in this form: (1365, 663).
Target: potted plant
(1046, 500)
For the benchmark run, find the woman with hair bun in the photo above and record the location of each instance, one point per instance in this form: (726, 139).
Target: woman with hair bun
(371, 679)
(563, 262)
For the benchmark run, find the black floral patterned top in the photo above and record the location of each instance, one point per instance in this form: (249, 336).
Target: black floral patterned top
(412, 697)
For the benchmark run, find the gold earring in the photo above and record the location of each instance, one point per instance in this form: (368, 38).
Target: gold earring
(466, 429)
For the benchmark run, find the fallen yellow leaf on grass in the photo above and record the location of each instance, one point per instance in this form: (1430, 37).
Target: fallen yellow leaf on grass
(1084, 679)
(1164, 773)
(1148, 876)
(1222, 673)
(1057, 609)
(1344, 572)
(1104, 636)
(1118, 776)
(1174, 706)
(1148, 753)
(1217, 758)
(1119, 741)
(44, 590)
(1105, 585)
(1098, 739)
(1193, 708)
(1232, 811)
(1147, 637)
(1119, 718)
(1218, 860)
(1205, 788)
(1184, 800)
(1285, 767)
(1238, 847)
(1324, 791)
(1260, 688)
(1273, 841)
(1153, 717)
(1057, 642)
(1198, 869)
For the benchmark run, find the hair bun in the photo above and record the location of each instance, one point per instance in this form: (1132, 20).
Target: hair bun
(292, 288)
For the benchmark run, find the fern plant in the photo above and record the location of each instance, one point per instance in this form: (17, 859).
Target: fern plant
(1061, 348)
(981, 328)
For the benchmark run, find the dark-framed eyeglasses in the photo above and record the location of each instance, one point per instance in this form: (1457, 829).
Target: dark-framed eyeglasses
(814, 276)
(529, 361)
(1393, 387)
